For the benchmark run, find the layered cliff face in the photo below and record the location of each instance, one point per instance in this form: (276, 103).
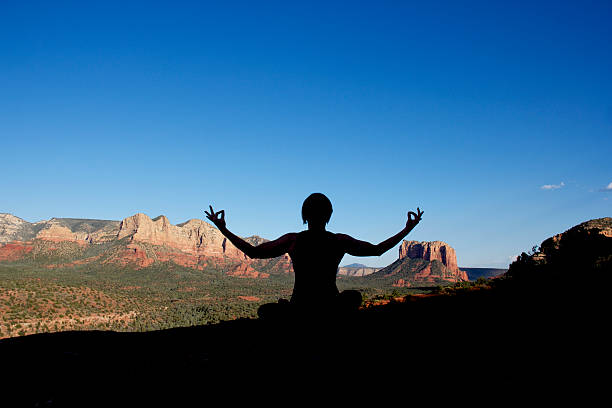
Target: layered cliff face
(11, 228)
(430, 251)
(57, 230)
(192, 244)
(195, 237)
(195, 241)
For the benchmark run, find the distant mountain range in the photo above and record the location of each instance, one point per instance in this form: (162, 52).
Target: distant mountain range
(16, 229)
(138, 242)
(356, 269)
(356, 265)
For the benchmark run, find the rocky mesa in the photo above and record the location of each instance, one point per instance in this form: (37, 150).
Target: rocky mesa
(430, 251)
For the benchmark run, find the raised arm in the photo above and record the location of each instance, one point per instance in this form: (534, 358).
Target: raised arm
(270, 249)
(363, 248)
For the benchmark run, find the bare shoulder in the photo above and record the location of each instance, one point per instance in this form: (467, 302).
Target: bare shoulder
(288, 237)
(345, 241)
(282, 240)
(350, 241)
(343, 237)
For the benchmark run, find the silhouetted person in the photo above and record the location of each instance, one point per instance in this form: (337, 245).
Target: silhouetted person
(315, 254)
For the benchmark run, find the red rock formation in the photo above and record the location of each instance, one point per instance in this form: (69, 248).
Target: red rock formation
(424, 274)
(132, 255)
(401, 283)
(245, 270)
(181, 258)
(74, 263)
(192, 244)
(14, 251)
(58, 233)
(194, 237)
(285, 264)
(250, 298)
(55, 232)
(429, 251)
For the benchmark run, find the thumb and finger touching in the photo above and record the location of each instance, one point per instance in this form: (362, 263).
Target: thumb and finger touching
(214, 216)
(415, 217)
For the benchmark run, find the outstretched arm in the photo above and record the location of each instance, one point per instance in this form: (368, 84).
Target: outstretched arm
(270, 249)
(362, 248)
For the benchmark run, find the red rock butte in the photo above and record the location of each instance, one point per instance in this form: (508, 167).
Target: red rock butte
(430, 251)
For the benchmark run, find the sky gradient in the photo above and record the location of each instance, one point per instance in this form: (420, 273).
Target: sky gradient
(495, 119)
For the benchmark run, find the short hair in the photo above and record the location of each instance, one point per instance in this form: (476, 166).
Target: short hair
(316, 207)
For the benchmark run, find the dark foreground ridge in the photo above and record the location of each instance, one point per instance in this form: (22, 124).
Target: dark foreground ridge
(484, 341)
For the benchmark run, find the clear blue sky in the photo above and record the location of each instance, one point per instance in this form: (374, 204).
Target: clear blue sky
(466, 109)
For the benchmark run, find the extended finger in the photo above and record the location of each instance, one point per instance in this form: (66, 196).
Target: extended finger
(211, 210)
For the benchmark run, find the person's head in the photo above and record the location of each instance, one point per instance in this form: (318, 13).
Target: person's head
(316, 210)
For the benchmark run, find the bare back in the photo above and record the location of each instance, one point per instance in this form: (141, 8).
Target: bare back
(315, 256)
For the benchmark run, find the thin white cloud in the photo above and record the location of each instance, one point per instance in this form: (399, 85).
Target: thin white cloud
(553, 186)
(608, 188)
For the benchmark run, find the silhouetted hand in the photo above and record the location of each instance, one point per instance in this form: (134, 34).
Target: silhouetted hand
(217, 218)
(412, 222)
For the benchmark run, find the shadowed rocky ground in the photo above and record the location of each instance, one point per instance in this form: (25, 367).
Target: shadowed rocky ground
(489, 343)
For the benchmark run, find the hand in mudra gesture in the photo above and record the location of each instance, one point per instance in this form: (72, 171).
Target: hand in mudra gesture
(412, 222)
(217, 218)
